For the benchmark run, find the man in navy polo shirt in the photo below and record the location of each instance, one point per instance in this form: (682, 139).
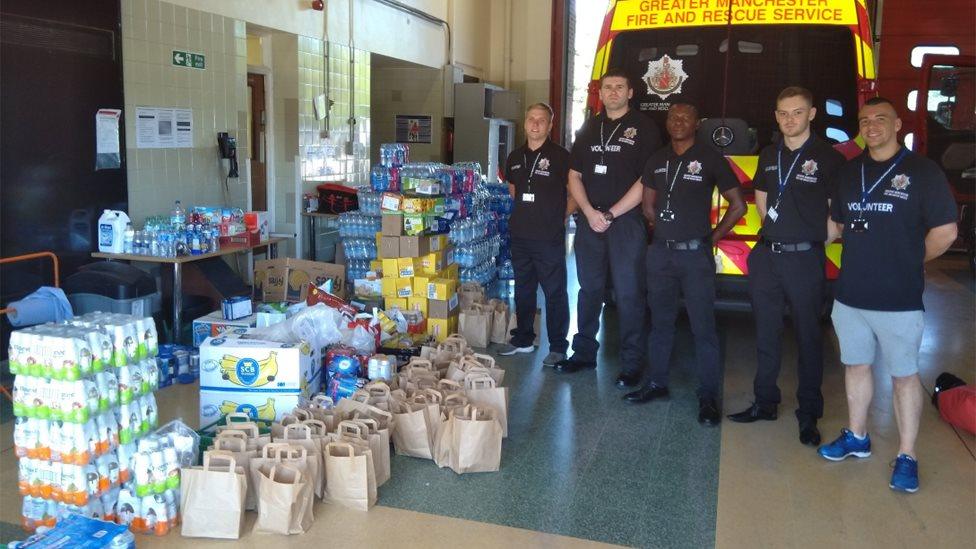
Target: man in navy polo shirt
(537, 175)
(895, 211)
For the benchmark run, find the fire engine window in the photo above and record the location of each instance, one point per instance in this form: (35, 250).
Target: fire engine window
(647, 54)
(837, 135)
(750, 47)
(686, 50)
(834, 107)
(919, 51)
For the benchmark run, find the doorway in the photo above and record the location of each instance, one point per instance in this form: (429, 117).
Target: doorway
(257, 141)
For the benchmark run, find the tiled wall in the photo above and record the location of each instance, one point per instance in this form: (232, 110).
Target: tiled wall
(398, 90)
(151, 30)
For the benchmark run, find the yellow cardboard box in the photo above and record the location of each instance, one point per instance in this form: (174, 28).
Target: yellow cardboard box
(420, 284)
(418, 304)
(407, 267)
(437, 242)
(435, 261)
(451, 272)
(389, 288)
(415, 205)
(376, 266)
(439, 328)
(441, 288)
(404, 287)
(390, 268)
(396, 303)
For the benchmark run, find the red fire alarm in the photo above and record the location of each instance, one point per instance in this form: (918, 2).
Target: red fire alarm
(318, 5)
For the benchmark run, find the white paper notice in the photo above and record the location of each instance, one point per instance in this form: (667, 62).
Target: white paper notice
(147, 128)
(184, 128)
(166, 124)
(107, 131)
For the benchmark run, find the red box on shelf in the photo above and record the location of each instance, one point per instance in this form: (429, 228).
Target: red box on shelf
(240, 240)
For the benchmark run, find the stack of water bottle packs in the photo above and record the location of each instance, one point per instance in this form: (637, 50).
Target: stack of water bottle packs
(82, 399)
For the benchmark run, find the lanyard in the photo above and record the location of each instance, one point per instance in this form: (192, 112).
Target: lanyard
(785, 180)
(525, 162)
(866, 193)
(667, 168)
(605, 144)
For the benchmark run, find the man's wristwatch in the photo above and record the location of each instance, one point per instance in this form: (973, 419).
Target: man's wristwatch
(608, 216)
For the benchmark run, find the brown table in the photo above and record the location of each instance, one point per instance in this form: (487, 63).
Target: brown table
(177, 263)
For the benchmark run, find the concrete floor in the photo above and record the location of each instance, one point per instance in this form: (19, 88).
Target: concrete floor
(581, 467)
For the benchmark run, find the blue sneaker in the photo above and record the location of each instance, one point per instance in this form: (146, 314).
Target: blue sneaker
(846, 445)
(905, 476)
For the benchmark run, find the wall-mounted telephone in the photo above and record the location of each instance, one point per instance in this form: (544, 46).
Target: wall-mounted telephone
(227, 145)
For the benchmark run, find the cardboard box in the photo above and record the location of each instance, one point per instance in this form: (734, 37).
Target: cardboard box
(414, 224)
(388, 287)
(267, 405)
(401, 303)
(404, 287)
(214, 324)
(420, 284)
(415, 205)
(436, 243)
(392, 224)
(237, 307)
(368, 287)
(451, 272)
(258, 222)
(391, 268)
(390, 247)
(390, 202)
(244, 365)
(288, 279)
(438, 308)
(435, 262)
(418, 304)
(407, 267)
(440, 328)
(414, 246)
(441, 288)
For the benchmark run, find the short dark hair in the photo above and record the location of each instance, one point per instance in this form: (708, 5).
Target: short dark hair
(693, 108)
(616, 72)
(880, 101)
(542, 106)
(795, 91)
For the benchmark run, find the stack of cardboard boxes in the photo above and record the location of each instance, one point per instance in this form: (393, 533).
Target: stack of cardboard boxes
(418, 273)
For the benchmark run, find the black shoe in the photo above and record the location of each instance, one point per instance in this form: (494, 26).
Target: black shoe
(647, 393)
(627, 380)
(754, 413)
(571, 365)
(809, 434)
(708, 412)
(944, 382)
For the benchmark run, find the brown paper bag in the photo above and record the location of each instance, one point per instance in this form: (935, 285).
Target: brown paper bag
(475, 325)
(499, 321)
(351, 476)
(277, 452)
(301, 435)
(356, 432)
(483, 393)
(379, 444)
(240, 421)
(449, 387)
(411, 436)
(470, 293)
(476, 440)
(536, 324)
(278, 427)
(286, 500)
(488, 361)
(212, 500)
(235, 443)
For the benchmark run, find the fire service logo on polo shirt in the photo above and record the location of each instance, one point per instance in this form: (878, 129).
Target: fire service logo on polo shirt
(543, 164)
(630, 132)
(664, 76)
(900, 182)
(809, 167)
(694, 167)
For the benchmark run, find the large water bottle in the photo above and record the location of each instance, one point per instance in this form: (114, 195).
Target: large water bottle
(178, 215)
(128, 238)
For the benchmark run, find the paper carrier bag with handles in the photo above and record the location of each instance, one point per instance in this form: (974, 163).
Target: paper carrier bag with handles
(277, 453)
(351, 479)
(471, 441)
(470, 293)
(499, 321)
(239, 421)
(379, 445)
(411, 436)
(286, 500)
(475, 324)
(475, 364)
(483, 393)
(301, 435)
(212, 500)
(235, 443)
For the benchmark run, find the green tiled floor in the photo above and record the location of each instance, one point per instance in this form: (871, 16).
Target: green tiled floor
(581, 462)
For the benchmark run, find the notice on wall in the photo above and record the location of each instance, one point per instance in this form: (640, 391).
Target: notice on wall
(107, 155)
(164, 128)
(413, 128)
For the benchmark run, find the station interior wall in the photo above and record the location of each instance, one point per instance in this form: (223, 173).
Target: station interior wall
(306, 53)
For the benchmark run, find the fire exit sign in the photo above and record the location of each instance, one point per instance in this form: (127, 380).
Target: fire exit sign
(187, 59)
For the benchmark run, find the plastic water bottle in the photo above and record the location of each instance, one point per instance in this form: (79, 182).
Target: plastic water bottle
(127, 238)
(178, 215)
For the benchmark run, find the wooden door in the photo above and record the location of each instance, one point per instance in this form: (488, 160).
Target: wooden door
(257, 143)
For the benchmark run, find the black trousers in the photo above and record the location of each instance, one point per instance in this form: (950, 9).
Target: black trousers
(670, 274)
(618, 254)
(540, 262)
(774, 279)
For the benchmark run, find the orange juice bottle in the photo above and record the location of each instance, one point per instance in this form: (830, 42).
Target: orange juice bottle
(25, 470)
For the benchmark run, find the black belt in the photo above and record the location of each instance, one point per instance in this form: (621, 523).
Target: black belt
(693, 244)
(780, 247)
